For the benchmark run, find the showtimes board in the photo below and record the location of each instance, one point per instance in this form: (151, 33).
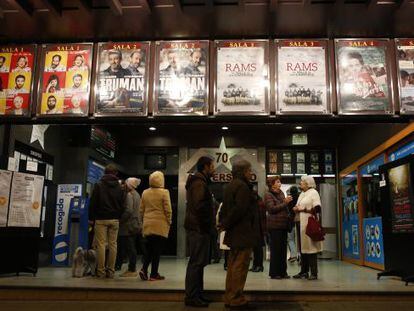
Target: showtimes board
(16, 79)
(363, 76)
(242, 78)
(122, 79)
(302, 77)
(181, 78)
(405, 73)
(65, 79)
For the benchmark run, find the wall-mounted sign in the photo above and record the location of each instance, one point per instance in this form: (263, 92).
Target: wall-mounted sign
(181, 78)
(5, 184)
(363, 76)
(242, 81)
(122, 78)
(302, 76)
(16, 79)
(299, 139)
(103, 142)
(65, 79)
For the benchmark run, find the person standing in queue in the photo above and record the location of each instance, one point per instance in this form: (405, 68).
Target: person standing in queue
(129, 227)
(277, 225)
(156, 217)
(238, 217)
(105, 209)
(199, 225)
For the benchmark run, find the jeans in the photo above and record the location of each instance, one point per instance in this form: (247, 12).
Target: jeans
(292, 243)
(199, 249)
(126, 248)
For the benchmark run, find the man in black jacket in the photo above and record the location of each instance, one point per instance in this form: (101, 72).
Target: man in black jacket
(199, 224)
(239, 219)
(105, 209)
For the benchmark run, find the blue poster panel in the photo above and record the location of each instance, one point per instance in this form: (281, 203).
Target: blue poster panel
(350, 241)
(373, 241)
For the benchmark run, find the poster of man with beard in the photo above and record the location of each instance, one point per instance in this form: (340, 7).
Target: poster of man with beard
(363, 75)
(181, 78)
(122, 78)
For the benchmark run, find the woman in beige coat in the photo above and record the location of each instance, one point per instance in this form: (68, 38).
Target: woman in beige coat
(156, 214)
(309, 203)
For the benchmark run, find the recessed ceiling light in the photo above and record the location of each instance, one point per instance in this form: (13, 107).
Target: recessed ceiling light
(152, 128)
(224, 128)
(299, 127)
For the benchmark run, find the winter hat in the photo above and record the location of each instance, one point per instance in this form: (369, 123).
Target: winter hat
(133, 182)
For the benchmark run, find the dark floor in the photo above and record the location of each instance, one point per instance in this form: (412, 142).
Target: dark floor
(169, 306)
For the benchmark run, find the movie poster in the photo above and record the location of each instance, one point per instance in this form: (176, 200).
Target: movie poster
(363, 77)
(405, 63)
(302, 77)
(16, 79)
(5, 184)
(242, 77)
(121, 78)
(181, 78)
(64, 85)
(400, 188)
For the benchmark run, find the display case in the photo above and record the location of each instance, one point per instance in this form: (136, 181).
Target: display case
(121, 83)
(241, 77)
(181, 78)
(303, 77)
(17, 67)
(65, 79)
(364, 81)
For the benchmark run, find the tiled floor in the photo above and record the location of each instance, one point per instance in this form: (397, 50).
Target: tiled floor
(334, 276)
(169, 306)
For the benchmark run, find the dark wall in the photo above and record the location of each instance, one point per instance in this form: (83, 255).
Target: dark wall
(358, 140)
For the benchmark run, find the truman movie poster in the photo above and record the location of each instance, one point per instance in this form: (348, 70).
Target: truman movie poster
(242, 77)
(64, 86)
(16, 79)
(121, 80)
(405, 62)
(181, 78)
(302, 80)
(362, 77)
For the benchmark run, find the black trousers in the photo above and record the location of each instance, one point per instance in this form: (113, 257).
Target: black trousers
(154, 245)
(214, 247)
(126, 249)
(199, 250)
(258, 256)
(278, 253)
(309, 261)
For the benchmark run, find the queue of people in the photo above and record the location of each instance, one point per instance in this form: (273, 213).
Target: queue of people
(243, 223)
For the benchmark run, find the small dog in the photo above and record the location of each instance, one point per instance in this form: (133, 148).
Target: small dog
(78, 265)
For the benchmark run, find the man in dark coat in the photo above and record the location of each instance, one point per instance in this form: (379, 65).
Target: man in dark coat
(238, 217)
(199, 224)
(105, 209)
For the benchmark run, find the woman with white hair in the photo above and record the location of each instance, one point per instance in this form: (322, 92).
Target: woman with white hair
(309, 203)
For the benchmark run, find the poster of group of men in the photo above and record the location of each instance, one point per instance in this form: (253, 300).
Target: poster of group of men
(16, 79)
(64, 86)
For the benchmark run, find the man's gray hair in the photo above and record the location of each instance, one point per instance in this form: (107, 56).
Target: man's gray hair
(239, 167)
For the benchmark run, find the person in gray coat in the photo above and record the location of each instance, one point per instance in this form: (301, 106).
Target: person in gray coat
(129, 227)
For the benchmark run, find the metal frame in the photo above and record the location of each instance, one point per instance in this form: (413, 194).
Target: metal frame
(51, 47)
(159, 45)
(33, 49)
(265, 45)
(386, 44)
(324, 43)
(103, 46)
(398, 43)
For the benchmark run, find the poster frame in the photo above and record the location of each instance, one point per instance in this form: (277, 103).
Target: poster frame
(156, 76)
(33, 96)
(266, 45)
(43, 48)
(386, 43)
(397, 43)
(328, 80)
(95, 83)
